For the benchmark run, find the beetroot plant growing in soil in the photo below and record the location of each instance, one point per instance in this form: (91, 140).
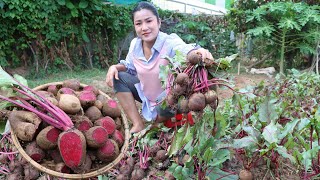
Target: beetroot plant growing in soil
(277, 125)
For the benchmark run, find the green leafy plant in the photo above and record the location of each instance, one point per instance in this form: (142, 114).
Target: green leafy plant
(288, 25)
(277, 121)
(64, 34)
(208, 31)
(206, 145)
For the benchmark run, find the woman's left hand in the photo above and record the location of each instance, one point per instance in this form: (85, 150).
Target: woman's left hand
(205, 53)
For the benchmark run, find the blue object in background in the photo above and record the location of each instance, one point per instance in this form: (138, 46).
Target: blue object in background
(123, 2)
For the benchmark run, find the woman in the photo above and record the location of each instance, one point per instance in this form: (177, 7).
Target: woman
(137, 77)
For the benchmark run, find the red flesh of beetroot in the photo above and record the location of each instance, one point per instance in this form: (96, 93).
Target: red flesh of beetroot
(84, 126)
(34, 151)
(108, 148)
(87, 98)
(91, 88)
(118, 137)
(108, 151)
(108, 123)
(99, 135)
(112, 104)
(72, 148)
(111, 108)
(53, 135)
(65, 169)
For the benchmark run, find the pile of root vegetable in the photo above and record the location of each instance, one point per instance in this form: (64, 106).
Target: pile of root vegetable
(147, 157)
(66, 127)
(12, 165)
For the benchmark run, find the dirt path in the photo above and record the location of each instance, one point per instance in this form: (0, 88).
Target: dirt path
(242, 81)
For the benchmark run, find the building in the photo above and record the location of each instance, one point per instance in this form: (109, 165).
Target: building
(214, 7)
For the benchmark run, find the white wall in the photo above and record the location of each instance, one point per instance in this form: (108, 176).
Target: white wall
(191, 6)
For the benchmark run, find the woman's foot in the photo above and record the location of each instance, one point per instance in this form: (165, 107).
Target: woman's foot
(137, 128)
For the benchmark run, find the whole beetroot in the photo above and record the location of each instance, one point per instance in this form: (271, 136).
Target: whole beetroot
(91, 88)
(194, 57)
(126, 169)
(118, 137)
(111, 108)
(161, 155)
(30, 173)
(183, 105)
(197, 102)
(65, 91)
(35, 152)
(179, 89)
(109, 151)
(73, 84)
(93, 113)
(182, 79)
(138, 174)
(87, 98)
(210, 96)
(106, 122)
(122, 177)
(53, 89)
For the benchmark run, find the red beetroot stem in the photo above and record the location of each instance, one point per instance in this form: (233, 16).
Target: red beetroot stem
(24, 102)
(48, 106)
(43, 116)
(143, 156)
(205, 78)
(188, 69)
(3, 137)
(67, 119)
(169, 83)
(59, 115)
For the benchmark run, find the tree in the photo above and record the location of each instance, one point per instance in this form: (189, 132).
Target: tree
(289, 26)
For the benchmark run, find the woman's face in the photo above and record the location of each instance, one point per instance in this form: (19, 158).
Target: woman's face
(146, 25)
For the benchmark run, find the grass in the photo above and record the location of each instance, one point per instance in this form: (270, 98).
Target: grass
(84, 76)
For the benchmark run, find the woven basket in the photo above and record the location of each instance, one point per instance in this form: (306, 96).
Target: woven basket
(95, 173)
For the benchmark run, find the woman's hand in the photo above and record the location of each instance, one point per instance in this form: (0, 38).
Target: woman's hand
(112, 73)
(204, 53)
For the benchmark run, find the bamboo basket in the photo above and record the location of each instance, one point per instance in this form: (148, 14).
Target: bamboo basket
(95, 173)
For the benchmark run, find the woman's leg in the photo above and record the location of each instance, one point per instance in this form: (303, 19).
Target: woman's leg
(126, 93)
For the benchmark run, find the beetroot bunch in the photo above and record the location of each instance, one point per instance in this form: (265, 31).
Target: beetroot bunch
(189, 88)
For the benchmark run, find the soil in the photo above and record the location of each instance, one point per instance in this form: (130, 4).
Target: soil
(242, 81)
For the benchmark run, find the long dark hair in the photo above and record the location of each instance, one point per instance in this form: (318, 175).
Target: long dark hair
(145, 5)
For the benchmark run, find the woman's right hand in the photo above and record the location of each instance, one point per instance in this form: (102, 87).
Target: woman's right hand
(112, 73)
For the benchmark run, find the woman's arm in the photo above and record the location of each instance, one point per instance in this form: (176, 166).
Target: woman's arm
(124, 65)
(113, 73)
(179, 45)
